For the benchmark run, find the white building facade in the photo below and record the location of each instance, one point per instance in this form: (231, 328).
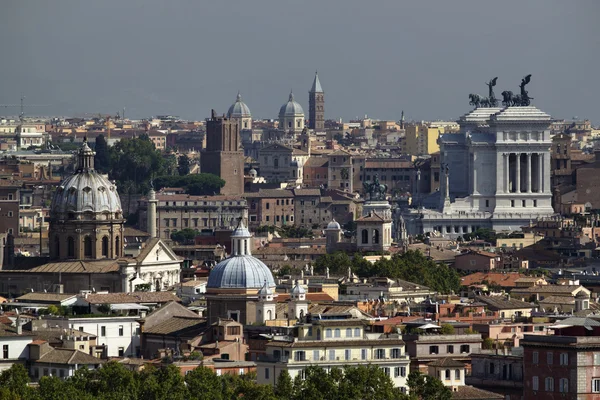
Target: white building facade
(120, 335)
(495, 173)
(333, 344)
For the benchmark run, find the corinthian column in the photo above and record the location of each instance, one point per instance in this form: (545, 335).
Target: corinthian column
(518, 169)
(528, 172)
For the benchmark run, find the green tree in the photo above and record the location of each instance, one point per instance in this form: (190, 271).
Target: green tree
(427, 387)
(204, 384)
(195, 184)
(337, 263)
(102, 158)
(447, 329)
(133, 162)
(488, 343)
(14, 382)
(184, 236)
(183, 165)
(162, 384)
(367, 383)
(284, 386)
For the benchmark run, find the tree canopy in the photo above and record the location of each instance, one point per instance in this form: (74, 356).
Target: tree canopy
(183, 165)
(184, 236)
(102, 157)
(133, 162)
(115, 381)
(412, 266)
(195, 184)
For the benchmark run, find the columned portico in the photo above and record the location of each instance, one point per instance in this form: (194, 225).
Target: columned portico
(502, 162)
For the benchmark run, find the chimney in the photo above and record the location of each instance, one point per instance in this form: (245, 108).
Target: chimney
(19, 326)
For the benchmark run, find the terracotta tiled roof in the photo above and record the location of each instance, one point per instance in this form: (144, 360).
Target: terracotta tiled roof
(193, 283)
(502, 303)
(177, 325)
(129, 231)
(507, 280)
(135, 297)
(446, 362)
(315, 297)
(36, 296)
(472, 393)
(70, 357)
(75, 267)
(270, 193)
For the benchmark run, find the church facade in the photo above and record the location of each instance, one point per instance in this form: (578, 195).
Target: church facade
(86, 243)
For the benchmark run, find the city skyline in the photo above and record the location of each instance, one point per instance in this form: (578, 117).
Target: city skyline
(377, 60)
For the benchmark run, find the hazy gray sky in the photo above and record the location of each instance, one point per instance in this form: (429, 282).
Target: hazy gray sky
(373, 57)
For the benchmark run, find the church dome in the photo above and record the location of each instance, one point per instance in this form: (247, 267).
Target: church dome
(86, 191)
(291, 109)
(333, 225)
(239, 109)
(240, 270)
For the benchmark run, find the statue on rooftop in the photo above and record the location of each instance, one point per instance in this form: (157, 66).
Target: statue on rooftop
(374, 189)
(491, 96)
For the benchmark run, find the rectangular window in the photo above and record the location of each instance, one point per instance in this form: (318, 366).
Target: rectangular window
(5, 351)
(347, 354)
(396, 372)
(512, 203)
(535, 203)
(380, 354)
(102, 331)
(363, 354)
(535, 357)
(596, 385)
(120, 330)
(396, 353)
(299, 356)
(550, 358)
(121, 351)
(549, 384)
(450, 349)
(465, 348)
(331, 355)
(386, 371)
(564, 359)
(535, 383)
(316, 355)
(266, 373)
(524, 203)
(487, 203)
(434, 350)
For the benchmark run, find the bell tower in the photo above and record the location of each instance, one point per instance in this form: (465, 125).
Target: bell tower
(316, 106)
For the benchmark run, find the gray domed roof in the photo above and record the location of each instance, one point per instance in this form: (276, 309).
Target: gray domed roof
(240, 272)
(298, 289)
(333, 225)
(291, 109)
(239, 109)
(85, 191)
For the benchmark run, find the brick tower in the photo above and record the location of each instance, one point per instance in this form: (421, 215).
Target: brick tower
(316, 106)
(224, 155)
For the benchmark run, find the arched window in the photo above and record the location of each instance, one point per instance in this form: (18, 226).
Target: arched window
(338, 333)
(298, 123)
(57, 246)
(328, 332)
(276, 162)
(375, 236)
(70, 247)
(289, 124)
(348, 332)
(365, 236)
(87, 247)
(269, 315)
(447, 375)
(118, 246)
(105, 246)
